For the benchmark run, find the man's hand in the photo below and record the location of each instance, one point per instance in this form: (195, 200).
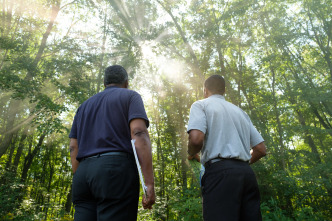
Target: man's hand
(73, 147)
(196, 157)
(150, 198)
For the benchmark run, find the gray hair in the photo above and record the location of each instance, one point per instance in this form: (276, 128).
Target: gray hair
(115, 74)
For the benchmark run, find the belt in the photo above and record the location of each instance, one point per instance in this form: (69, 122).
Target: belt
(212, 161)
(124, 154)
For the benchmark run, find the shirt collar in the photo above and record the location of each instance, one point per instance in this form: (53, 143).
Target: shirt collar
(218, 96)
(114, 86)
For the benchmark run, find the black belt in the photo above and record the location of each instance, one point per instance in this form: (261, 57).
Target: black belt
(212, 161)
(124, 154)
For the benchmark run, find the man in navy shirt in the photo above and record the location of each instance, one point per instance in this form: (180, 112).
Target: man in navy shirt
(105, 182)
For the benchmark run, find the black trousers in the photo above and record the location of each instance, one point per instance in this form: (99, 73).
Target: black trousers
(106, 188)
(230, 192)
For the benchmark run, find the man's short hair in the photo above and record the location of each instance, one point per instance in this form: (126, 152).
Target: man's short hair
(215, 84)
(115, 74)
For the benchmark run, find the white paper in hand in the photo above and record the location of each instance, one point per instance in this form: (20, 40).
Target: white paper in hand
(139, 167)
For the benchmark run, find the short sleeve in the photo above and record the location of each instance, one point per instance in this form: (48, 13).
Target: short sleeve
(197, 118)
(73, 131)
(136, 108)
(255, 137)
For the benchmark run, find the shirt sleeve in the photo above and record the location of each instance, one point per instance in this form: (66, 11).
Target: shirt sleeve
(255, 136)
(73, 131)
(197, 118)
(136, 109)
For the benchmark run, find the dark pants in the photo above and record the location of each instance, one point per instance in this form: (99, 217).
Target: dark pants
(230, 192)
(106, 188)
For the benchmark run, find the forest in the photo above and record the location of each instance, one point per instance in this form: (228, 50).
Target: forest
(275, 56)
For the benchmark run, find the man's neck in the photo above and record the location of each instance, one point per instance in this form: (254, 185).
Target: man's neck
(209, 95)
(116, 85)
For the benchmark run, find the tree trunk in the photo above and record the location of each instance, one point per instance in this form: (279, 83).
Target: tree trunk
(101, 65)
(8, 135)
(30, 156)
(19, 152)
(280, 130)
(54, 14)
(69, 201)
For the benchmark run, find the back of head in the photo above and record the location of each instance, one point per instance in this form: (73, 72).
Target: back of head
(215, 84)
(115, 74)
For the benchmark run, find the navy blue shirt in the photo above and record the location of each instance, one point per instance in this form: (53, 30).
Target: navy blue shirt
(101, 123)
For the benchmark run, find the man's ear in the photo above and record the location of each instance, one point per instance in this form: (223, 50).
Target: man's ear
(205, 92)
(126, 84)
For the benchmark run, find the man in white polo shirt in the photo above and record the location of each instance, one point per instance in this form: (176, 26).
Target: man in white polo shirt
(228, 142)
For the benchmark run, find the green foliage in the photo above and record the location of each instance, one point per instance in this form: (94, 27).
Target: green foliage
(272, 211)
(188, 206)
(12, 191)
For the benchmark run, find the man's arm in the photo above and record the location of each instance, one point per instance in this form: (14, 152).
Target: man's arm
(73, 147)
(196, 140)
(140, 134)
(257, 152)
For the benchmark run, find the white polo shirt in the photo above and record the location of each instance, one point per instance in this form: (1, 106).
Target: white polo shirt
(229, 132)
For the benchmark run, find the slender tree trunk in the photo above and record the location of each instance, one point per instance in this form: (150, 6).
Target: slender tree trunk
(280, 130)
(68, 204)
(301, 119)
(9, 131)
(101, 65)
(11, 152)
(9, 16)
(325, 50)
(221, 57)
(3, 17)
(29, 158)
(183, 140)
(19, 152)
(54, 14)
(160, 154)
